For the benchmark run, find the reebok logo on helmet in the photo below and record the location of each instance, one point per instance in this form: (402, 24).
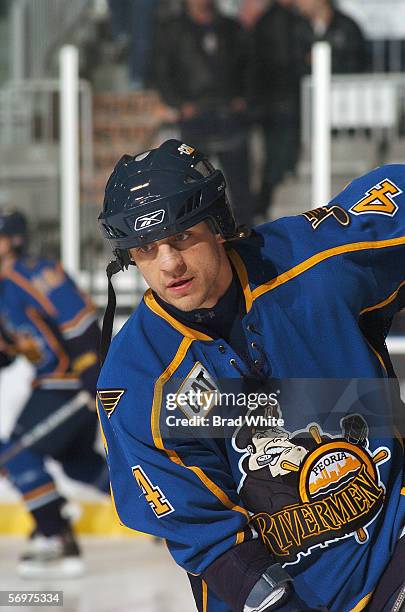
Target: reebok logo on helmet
(146, 221)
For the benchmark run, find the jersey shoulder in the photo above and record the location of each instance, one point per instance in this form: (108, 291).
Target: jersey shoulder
(30, 266)
(138, 356)
(369, 212)
(23, 279)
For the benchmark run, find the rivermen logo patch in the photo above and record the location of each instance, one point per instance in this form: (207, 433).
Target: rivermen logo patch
(316, 488)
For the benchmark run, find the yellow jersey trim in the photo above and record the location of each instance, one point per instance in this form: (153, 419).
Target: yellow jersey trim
(309, 263)
(103, 438)
(204, 596)
(362, 603)
(385, 302)
(188, 332)
(155, 426)
(243, 277)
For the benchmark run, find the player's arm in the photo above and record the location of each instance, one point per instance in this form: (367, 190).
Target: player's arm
(183, 492)
(376, 205)
(71, 318)
(77, 322)
(365, 224)
(83, 350)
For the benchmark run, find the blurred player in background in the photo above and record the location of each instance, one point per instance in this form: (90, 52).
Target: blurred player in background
(45, 318)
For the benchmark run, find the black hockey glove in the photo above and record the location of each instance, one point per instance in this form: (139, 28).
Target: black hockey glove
(5, 360)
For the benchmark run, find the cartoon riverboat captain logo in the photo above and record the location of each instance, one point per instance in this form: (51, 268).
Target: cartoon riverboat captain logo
(309, 488)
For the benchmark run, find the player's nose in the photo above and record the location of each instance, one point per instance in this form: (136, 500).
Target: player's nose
(171, 260)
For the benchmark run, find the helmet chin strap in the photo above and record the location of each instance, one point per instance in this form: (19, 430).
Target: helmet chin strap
(108, 319)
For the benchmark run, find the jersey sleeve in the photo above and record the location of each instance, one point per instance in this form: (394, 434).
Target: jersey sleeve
(182, 491)
(56, 296)
(365, 223)
(53, 301)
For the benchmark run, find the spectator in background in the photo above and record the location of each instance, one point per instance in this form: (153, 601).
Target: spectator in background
(250, 11)
(325, 22)
(276, 67)
(132, 23)
(200, 70)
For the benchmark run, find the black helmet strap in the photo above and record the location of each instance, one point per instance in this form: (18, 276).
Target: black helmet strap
(108, 319)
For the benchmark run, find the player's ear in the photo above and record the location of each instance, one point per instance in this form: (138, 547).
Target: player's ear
(213, 229)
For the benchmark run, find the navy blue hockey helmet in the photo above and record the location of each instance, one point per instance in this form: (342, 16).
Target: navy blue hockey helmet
(14, 224)
(160, 193)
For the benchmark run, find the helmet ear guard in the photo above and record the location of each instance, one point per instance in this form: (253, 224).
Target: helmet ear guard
(123, 259)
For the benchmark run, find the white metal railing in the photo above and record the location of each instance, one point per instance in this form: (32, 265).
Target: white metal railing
(29, 113)
(38, 27)
(359, 102)
(32, 122)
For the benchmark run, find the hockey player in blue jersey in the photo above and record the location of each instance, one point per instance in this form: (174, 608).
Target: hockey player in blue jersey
(303, 508)
(46, 319)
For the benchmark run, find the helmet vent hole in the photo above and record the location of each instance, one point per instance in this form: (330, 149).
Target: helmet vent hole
(205, 168)
(192, 204)
(113, 231)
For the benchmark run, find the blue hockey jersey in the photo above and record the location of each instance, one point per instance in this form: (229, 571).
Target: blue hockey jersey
(42, 314)
(324, 486)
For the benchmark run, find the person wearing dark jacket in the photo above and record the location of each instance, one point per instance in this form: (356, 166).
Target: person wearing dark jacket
(200, 70)
(324, 22)
(276, 66)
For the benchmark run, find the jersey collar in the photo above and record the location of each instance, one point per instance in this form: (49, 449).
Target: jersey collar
(188, 332)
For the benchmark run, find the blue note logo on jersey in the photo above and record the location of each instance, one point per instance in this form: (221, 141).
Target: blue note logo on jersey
(378, 200)
(109, 399)
(319, 215)
(317, 487)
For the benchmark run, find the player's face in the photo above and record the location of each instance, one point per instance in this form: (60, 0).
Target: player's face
(189, 270)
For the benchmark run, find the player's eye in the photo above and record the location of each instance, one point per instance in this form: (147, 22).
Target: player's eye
(146, 248)
(181, 237)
